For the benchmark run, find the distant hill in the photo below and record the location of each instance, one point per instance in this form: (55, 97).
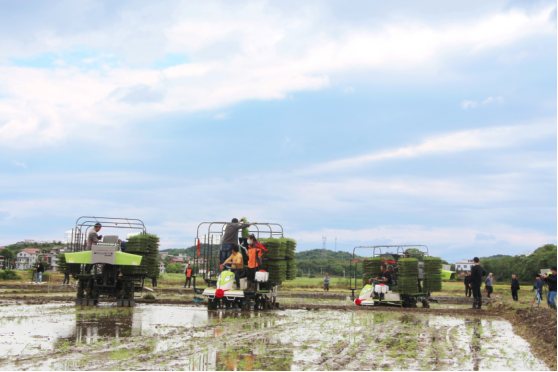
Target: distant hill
(175, 251)
(524, 267)
(317, 262)
(325, 253)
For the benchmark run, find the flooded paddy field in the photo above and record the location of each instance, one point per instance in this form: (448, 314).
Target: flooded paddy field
(59, 336)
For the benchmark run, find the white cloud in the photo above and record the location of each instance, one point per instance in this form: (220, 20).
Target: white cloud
(415, 234)
(489, 100)
(220, 116)
(452, 239)
(467, 104)
(237, 53)
(474, 139)
(19, 164)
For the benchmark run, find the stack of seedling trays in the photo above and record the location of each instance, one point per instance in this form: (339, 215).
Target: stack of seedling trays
(146, 246)
(432, 281)
(290, 257)
(407, 279)
(275, 248)
(371, 268)
(279, 259)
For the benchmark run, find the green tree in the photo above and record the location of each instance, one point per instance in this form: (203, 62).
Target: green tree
(7, 254)
(175, 268)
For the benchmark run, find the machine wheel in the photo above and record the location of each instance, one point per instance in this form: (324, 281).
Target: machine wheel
(213, 304)
(81, 286)
(425, 304)
(227, 305)
(410, 302)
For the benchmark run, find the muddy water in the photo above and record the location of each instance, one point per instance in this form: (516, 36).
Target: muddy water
(157, 337)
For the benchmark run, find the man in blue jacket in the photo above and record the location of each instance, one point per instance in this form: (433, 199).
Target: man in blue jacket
(538, 288)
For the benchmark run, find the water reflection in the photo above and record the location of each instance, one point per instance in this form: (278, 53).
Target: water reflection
(266, 356)
(116, 324)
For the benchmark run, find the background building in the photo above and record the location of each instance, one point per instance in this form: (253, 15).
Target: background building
(463, 265)
(27, 258)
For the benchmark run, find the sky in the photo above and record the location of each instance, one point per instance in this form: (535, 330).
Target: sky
(372, 123)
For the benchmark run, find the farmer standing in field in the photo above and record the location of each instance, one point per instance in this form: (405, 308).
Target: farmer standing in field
(538, 288)
(467, 281)
(477, 272)
(66, 276)
(488, 283)
(326, 282)
(514, 287)
(230, 238)
(40, 269)
(188, 273)
(551, 281)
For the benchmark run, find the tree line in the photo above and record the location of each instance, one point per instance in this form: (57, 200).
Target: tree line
(524, 267)
(317, 262)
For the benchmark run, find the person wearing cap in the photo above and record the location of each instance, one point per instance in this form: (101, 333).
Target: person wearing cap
(551, 281)
(93, 238)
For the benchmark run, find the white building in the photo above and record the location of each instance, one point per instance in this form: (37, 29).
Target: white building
(163, 254)
(27, 258)
(162, 268)
(464, 265)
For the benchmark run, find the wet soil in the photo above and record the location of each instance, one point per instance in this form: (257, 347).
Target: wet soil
(538, 326)
(169, 337)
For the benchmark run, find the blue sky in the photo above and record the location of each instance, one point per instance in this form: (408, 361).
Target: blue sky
(369, 123)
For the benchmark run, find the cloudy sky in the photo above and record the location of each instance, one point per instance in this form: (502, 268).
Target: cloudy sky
(428, 122)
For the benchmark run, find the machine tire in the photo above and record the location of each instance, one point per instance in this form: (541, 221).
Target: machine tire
(425, 304)
(81, 285)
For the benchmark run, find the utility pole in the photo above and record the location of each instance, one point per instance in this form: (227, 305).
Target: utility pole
(335, 244)
(343, 273)
(324, 240)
